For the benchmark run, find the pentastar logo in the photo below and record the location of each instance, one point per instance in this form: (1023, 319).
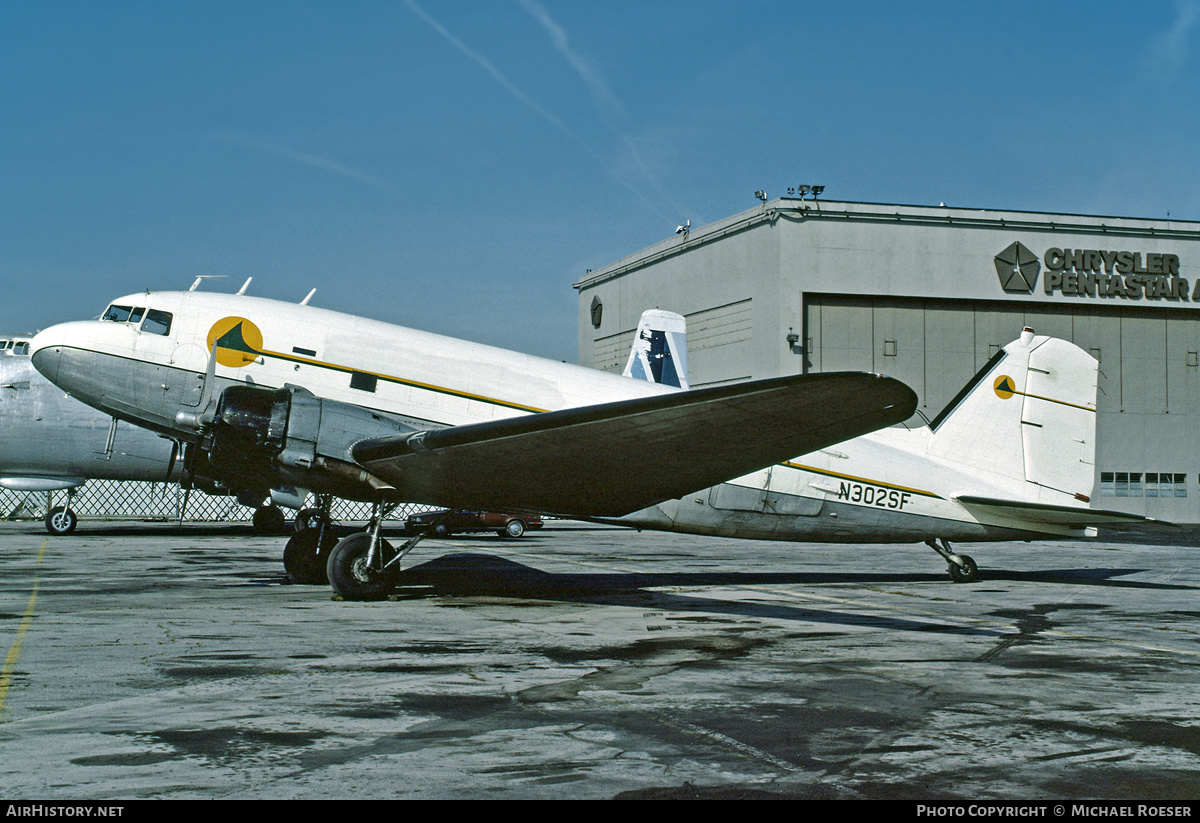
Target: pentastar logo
(1018, 268)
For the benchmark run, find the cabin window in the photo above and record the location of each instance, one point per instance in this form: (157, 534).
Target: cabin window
(363, 382)
(157, 322)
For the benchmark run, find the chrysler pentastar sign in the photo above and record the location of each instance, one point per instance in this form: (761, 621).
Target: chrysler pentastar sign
(1018, 268)
(1127, 275)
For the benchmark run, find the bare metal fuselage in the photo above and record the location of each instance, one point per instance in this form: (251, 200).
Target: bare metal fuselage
(49, 440)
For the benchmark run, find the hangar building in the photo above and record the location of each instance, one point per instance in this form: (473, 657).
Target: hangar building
(927, 295)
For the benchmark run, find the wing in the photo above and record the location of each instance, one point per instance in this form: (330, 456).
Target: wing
(614, 458)
(1077, 517)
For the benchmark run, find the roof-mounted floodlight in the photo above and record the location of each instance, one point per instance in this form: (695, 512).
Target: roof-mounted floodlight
(817, 190)
(761, 195)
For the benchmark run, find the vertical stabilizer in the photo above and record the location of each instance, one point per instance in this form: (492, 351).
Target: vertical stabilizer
(659, 353)
(1029, 414)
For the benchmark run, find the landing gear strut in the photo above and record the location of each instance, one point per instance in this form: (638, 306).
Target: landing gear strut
(962, 567)
(307, 551)
(364, 566)
(60, 520)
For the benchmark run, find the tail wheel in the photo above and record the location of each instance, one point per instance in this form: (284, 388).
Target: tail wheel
(353, 577)
(61, 521)
(968, 572)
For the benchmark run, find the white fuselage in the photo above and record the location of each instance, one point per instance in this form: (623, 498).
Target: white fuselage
(434, 381)
(892, 485)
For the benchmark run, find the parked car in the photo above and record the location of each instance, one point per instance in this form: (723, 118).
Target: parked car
(458, 520)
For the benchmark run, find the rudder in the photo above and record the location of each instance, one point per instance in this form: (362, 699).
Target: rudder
(659, 353)
(1029, 414)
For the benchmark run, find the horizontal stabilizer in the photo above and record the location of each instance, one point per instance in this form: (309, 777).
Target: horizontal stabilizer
(614, 458)
(1077, 517)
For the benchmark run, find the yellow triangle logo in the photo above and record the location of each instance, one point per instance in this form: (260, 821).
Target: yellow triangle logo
(1004, 387)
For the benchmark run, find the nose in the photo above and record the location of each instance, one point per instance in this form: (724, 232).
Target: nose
(46, 352)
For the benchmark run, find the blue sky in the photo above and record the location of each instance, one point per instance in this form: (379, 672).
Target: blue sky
(455, 165)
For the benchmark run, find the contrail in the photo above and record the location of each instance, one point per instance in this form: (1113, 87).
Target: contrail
(610, 108)
(1171, 48)
(496, 75)
(595, 85)
(606, 102)
(302, 157)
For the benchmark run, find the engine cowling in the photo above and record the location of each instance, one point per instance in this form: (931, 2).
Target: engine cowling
(290, 436)
(250, 428)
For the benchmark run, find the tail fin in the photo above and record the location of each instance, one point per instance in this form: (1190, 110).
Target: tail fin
(1029, 414)
(659, 353)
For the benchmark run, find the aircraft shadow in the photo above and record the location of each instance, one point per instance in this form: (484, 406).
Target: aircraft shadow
(483, 575)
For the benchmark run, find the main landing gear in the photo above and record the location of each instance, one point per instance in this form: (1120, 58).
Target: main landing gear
(307, 551)
(269, 520)
(364, 566)
(962, 567)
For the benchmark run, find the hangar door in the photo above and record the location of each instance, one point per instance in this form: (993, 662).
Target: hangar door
(929, 347)
(1148, 359)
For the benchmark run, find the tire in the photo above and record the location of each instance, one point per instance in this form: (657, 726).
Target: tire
(269, 520)
(969, 574)
(304, 561)
(61, 521)
(306, 519)
(513, 528)
(349, 575)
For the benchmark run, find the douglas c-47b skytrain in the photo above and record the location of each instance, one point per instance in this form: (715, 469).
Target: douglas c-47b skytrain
(271, 396)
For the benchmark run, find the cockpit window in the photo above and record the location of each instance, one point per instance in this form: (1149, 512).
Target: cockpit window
(118, 314)
(157, 322)
(21, 348)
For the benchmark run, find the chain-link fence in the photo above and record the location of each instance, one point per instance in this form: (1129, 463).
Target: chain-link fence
(139, 500)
